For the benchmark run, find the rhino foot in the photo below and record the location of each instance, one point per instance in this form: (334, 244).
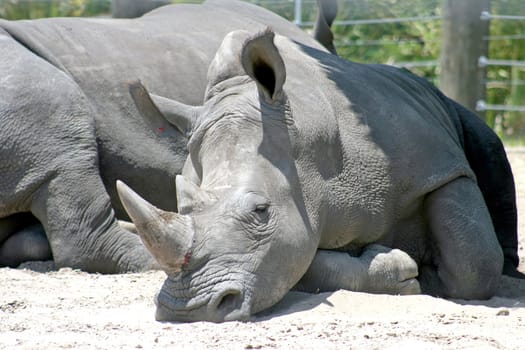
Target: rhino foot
(28, 244)
(378, 270)
(127, 254)
(390, 271)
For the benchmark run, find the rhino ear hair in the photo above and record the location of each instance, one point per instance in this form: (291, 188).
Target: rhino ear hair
(262, 61)
(161, 113)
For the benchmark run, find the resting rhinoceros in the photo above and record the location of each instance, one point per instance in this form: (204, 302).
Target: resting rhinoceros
(69, 128)
(308, 170)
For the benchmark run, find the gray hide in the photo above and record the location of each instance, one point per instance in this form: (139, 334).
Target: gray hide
(309, 170)
(70, 129)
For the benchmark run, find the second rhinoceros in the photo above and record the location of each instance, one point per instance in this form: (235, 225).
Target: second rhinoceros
(308, 170)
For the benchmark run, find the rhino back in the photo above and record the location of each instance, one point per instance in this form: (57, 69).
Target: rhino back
(170, 48)
(382, 140)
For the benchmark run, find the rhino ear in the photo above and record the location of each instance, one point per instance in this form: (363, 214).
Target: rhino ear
(226, 63)
(322, 29)
(262, 61)
(160, 112)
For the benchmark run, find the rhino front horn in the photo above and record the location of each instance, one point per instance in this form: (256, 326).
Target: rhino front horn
(168, 236)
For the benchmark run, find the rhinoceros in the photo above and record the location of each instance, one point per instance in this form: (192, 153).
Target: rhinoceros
(309, 171)
(69, 129)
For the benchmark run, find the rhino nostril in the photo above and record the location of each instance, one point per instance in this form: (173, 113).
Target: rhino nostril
(230, 300)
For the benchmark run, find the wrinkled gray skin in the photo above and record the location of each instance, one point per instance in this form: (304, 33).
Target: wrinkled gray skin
(70, 130)
(298, 158)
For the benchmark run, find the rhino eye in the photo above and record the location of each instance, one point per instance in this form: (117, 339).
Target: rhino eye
(261, 208)
(257, 205)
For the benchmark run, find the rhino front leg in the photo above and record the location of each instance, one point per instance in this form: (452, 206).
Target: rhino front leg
(467, 258)
(379, 269)
(49, 165)
(81, 226)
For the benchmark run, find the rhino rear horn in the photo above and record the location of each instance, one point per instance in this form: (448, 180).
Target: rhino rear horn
(190, 197)
(161, 112)
(168, 236)
(262, 61)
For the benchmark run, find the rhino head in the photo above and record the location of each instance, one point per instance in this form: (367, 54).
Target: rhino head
(242, 238)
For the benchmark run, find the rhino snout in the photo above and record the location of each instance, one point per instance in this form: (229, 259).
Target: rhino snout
(226, 303)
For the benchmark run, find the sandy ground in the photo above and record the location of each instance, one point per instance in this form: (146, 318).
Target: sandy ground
(75, 310)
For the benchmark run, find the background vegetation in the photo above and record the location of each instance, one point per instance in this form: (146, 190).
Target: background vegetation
(31, 9)
(385, 43)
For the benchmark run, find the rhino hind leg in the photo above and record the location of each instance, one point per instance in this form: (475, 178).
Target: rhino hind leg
(81, 226)
(467, 259)
(378, 269)
(28, 244)
(487, 158)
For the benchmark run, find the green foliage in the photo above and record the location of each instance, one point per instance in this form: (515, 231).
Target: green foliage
(420, 41)
(30, 9)
(390, 42)
(506, 84)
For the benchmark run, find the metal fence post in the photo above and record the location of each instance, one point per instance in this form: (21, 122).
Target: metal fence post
(298, 12)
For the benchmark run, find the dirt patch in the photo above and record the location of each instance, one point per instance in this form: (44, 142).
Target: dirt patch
(45, 309)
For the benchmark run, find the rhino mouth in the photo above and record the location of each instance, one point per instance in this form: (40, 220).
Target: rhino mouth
(226, 302)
